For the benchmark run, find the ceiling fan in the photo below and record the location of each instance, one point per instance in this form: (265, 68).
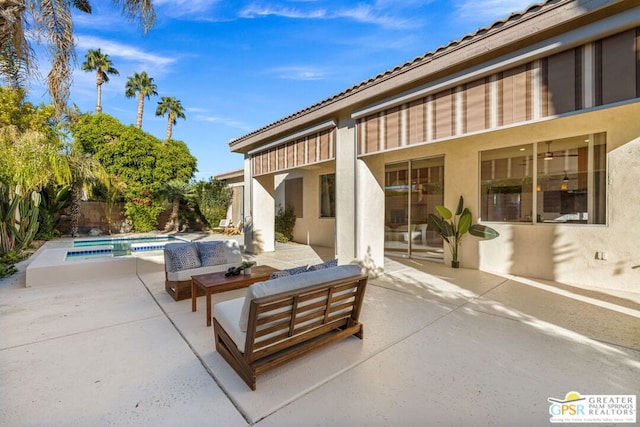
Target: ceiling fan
(550, 155)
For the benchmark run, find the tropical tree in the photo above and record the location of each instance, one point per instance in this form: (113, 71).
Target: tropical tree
(175, 191)
(141, 162)
(143, 86)
(31, 160)
(212, 198)
(102, 65)
(114, 192)
(55, 199)
(173, 107)
(85, 172)
(22, 21)
(32, 151)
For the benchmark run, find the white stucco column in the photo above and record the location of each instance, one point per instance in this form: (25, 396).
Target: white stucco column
(346, 191)
(260, 216)
(370, 213)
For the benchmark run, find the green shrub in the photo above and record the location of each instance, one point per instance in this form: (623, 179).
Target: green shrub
(212, 200)
(285, 222)
(11, 257)
(7, 261)
(281, 238)
(7, 270)
(143, 213)
(54, 201)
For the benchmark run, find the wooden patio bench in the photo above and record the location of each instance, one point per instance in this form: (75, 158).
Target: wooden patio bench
(287, 318)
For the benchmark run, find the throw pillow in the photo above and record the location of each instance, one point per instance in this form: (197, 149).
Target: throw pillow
(212, 253)
(326, 264)
(183, 256)
(289, 272)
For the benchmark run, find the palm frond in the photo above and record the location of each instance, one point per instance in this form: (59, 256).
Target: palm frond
(16, 54)
(53, 17)
(141, 10)
(82, 5)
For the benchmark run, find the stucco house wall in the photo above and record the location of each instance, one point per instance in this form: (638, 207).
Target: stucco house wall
(558, 252)
(557, 70)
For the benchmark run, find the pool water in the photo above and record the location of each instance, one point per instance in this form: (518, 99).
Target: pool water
(123, 240)
(117, 246)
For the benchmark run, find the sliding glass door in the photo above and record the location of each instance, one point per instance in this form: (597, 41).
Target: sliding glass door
(412, 190)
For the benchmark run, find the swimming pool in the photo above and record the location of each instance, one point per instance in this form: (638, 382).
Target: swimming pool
(118, 246)
(124, 240)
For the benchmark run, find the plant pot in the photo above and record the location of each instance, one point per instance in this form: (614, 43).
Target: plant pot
(247, 271)
(455, 264)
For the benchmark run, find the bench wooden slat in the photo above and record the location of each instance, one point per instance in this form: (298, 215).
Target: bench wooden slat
(288, 325)
(265, 364)
(301, 337)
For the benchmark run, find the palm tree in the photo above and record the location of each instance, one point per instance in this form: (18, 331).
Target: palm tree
(102, 65)
(115, 190)
(174, 191)
(85, 172)
(173, 107)
(23, 20)
(15, 55)
(142, 85)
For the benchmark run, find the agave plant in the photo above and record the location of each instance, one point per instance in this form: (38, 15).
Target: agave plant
(452, 228)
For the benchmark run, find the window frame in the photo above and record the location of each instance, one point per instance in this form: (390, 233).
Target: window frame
(332, 197)
(596, 187)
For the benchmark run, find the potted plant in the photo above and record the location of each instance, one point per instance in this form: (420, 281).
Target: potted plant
(246, 266)
(452, 228)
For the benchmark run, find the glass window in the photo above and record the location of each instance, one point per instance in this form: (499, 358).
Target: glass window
(293, 195)
(328, 196)
(412, 190)
(569, 182)
(506, 179)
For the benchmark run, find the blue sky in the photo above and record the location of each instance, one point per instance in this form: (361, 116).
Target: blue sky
(237, 66)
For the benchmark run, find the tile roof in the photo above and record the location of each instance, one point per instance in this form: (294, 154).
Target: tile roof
(415, 62)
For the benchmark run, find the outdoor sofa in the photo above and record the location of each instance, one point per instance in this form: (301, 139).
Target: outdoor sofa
(183, 260)
(287, 317)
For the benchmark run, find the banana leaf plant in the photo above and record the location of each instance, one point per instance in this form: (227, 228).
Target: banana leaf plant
(452, 228)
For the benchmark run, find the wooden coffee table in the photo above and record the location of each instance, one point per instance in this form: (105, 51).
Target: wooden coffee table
(214, 283)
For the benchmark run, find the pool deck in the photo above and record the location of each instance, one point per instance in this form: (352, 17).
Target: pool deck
(51, 265)
(441, 347)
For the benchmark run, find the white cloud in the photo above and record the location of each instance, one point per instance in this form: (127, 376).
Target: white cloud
(195, 110)
(380, 13)
(486, 12)
(373, 15)
(296, 72)
(129, 53)
(253, 11)
(179, 8)
(99, 22)
(225, 121)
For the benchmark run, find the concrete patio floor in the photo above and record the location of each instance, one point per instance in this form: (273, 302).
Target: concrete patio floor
(441, 347)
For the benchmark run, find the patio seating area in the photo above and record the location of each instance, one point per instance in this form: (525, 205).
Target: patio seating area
(440, 347)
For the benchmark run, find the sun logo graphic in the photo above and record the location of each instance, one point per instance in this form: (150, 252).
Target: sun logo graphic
(576, 408)
(569, 406)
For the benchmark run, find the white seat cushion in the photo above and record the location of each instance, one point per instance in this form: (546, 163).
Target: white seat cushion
(288, 283)
(227, 313)
(178, 273)
(182, 275)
